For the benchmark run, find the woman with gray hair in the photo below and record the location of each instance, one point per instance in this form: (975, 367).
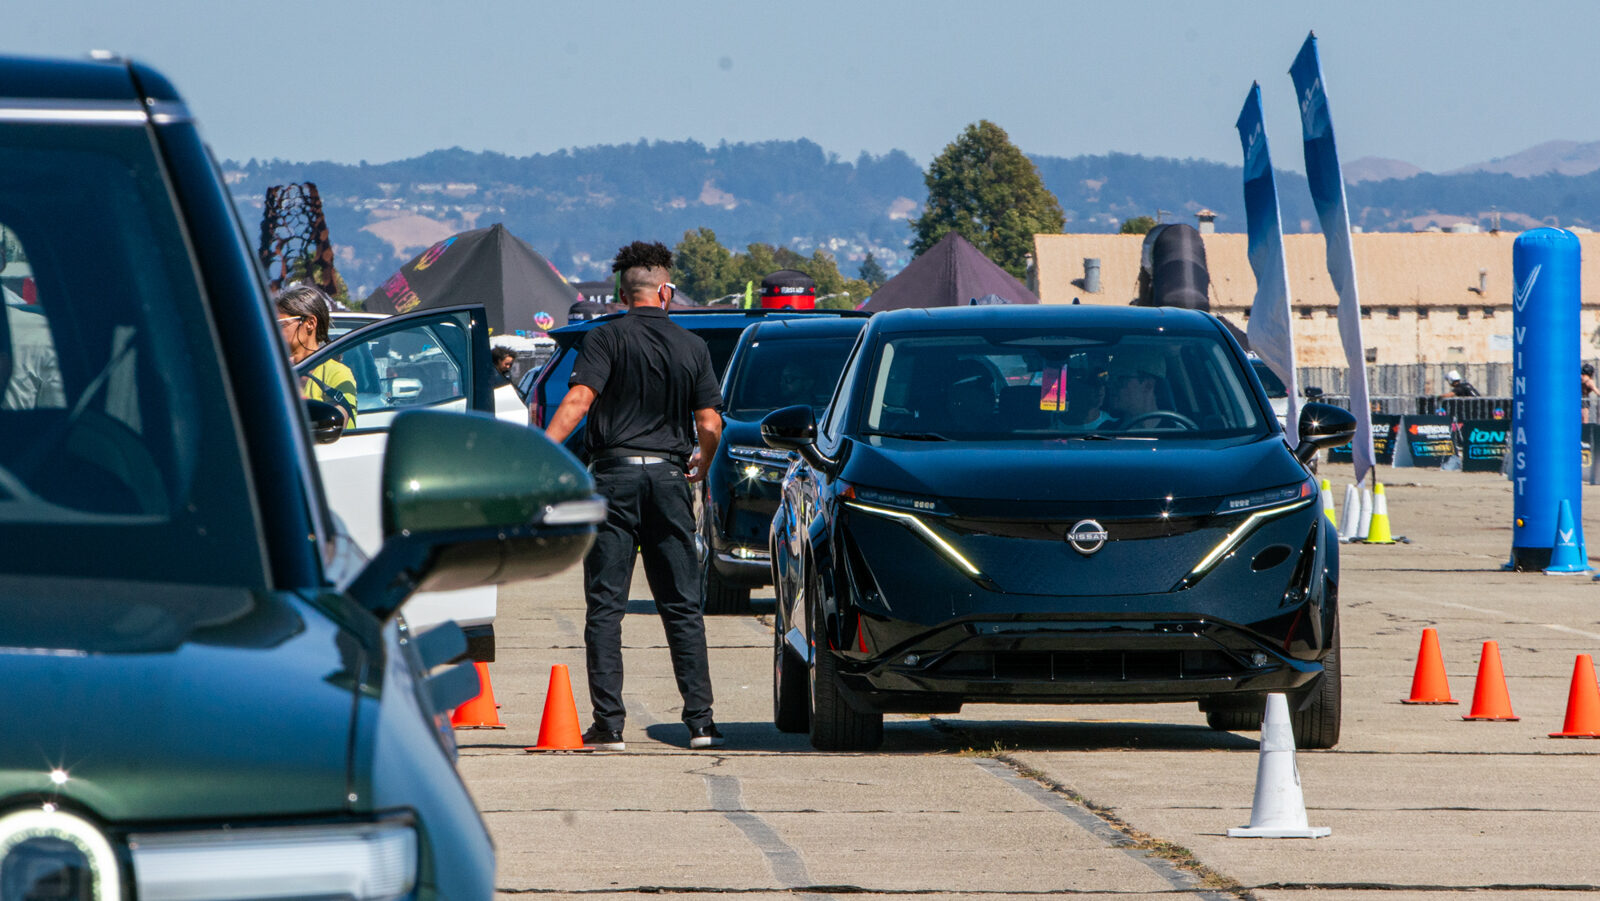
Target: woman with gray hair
(303, 321)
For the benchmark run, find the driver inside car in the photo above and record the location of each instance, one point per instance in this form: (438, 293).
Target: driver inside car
(1134, 374)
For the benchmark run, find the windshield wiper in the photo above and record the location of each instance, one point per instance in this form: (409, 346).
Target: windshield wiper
(912, 436)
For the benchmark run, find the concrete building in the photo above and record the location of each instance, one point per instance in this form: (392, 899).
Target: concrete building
(1431, 297)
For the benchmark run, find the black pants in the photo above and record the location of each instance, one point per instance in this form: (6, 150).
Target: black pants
(650, 507)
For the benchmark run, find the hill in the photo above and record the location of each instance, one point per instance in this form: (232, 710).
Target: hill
(578, 205)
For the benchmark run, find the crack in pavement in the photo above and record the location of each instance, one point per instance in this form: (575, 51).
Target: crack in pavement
(1097, 826)
(788, 867)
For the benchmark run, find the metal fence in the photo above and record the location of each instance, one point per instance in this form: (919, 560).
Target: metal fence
(1461, 409)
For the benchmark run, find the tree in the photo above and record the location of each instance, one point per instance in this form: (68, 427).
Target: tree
(983, 187)
(871, 272)
(1138, 225)
(702, 267)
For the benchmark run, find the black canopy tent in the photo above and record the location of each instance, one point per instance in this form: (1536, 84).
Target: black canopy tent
(950, 273)
(520, 290)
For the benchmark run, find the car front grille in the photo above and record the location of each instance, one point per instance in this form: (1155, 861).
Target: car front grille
(1087, 666)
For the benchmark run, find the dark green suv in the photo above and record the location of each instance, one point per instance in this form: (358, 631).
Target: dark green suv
(205, 689)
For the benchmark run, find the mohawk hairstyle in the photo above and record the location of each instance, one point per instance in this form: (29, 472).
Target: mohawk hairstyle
(654, 255)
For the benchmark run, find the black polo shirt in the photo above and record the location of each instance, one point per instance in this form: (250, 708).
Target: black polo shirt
(649, 375)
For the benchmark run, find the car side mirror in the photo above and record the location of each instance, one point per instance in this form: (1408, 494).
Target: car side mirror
(402, 388)
(469, 500)
(790, 428)
(326, 420)
(1313, 392)
(795, 429)
(1323, 426)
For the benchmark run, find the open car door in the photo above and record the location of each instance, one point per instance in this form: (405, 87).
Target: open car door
(432, 359)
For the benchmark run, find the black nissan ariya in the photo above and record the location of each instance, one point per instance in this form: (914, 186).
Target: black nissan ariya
(1067, 504)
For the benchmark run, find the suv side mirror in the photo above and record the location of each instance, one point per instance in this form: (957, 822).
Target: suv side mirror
(325, 419)
(1313, 392)
(790, 428)
(795, 429)
(1323, 426)
(469, 500)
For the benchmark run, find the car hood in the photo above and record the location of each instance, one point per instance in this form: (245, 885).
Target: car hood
(164, 702)
(1007, 478)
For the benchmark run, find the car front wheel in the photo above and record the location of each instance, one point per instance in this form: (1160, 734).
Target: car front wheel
(835, 725)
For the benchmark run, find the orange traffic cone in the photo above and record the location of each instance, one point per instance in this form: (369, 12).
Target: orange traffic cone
(481, 712)
(1583, 703)
(1428, 684)
(1490, 700)
(559, 730)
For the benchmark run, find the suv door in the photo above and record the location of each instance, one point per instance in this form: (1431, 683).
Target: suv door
(430, 359)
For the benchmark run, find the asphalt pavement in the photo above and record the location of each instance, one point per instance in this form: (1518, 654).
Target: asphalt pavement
(1127, 801)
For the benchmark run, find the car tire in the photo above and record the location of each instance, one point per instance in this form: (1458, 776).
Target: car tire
(1236, 719)
(1316, 725)
(722, 598)
(791, 709)
(835, 725)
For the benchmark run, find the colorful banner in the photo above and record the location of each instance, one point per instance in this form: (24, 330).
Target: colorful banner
(1271, 329)
(1327, 194)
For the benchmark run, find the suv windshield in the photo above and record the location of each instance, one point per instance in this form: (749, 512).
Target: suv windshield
(118, 453)
(784, 372)
(1012, 384)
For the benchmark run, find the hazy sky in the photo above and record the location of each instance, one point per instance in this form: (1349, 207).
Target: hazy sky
(1437, 84)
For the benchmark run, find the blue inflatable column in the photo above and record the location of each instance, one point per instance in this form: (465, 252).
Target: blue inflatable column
(1546, 453)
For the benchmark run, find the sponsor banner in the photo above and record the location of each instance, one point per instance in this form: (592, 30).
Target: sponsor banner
(1385, 426)
(1327, 195)
(1484, 443)
(1426, 441)
(1270, 328)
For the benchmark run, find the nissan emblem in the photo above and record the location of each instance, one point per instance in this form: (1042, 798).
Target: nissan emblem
(1086, 536)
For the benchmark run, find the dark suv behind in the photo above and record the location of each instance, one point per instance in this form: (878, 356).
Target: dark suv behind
(778, 363)
(544, 388)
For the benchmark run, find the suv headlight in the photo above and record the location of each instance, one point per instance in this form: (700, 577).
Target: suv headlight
(363, 861)
(1262, 506)
(763, 464)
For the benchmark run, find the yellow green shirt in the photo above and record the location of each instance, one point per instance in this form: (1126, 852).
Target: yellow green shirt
(341, 383)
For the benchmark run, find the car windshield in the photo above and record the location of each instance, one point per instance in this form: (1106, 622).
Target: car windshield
(777, 373)
(118, 457)
(1031, 384)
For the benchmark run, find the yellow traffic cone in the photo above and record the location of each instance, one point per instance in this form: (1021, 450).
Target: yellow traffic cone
(1379, 532)
(1327, 503)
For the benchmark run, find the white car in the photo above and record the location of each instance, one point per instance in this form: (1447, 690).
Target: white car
(427, 359)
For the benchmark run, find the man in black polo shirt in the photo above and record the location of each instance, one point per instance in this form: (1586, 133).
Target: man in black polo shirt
(647, 386)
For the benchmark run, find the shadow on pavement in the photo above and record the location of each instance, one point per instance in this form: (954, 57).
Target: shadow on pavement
(942, 735)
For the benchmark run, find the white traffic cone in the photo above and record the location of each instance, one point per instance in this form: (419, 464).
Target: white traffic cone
(1279, 810)
(1364, 518)
(1352, 507)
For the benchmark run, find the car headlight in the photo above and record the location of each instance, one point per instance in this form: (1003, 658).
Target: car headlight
(764, 464)
(899, 507)
(361, 861)
(770, 456)
(1271, 497)
(49, 853)
(1262, 506)
(916, 503)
